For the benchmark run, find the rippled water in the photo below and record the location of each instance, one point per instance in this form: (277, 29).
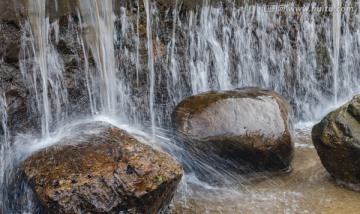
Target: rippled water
(307, 189)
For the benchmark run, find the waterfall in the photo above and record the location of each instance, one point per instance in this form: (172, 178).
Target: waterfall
(222, 50)
(209, 49)
(288, 54)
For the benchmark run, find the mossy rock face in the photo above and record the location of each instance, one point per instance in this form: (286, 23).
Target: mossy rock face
(106, 171)
(249, 126)
(337, 141)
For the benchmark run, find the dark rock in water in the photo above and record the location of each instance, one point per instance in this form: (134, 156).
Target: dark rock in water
(337, 141)
(249, 126)
(107, 172)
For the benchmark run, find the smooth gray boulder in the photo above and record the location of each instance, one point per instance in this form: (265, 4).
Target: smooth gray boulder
(250, 126)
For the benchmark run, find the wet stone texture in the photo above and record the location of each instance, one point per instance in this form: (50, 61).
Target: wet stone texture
(109, 172)
(249, 126)
(337, 141)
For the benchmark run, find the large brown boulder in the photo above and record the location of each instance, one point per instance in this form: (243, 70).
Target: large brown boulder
(106, 172)
(337, 141)
(249, 126)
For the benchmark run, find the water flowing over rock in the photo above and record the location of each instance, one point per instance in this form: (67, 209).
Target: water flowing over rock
(337, 139)
(106, 171)
(250, 126)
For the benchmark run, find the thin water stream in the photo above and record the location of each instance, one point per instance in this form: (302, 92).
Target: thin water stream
(151, 75)
(39, 33)
(4, 147)
(336, 44)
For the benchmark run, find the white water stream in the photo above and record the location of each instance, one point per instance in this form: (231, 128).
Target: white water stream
(336, 45)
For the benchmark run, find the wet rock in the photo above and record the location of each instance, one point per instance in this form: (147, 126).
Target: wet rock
(12, 53)
(249, 126)
(142, 30)
(14, 101)
(75, 83)
(105, 171)
(18, 119)
(16, 111)
(63, 47)
(337, 139)
(159, 49)
(10, 36)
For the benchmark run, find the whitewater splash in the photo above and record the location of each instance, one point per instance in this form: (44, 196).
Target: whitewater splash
(210, 49)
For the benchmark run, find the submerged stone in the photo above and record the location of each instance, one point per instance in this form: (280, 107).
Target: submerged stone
(250, 127)
(337, 141)
(106, 171)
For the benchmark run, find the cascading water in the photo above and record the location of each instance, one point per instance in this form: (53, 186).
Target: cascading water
(172, 61)
(285, 53)
(150, 63)
(137, 45)
(336, 44)
(99, 35)
(4, 147)
(38, 25)
(42, 68)
(210, 48)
